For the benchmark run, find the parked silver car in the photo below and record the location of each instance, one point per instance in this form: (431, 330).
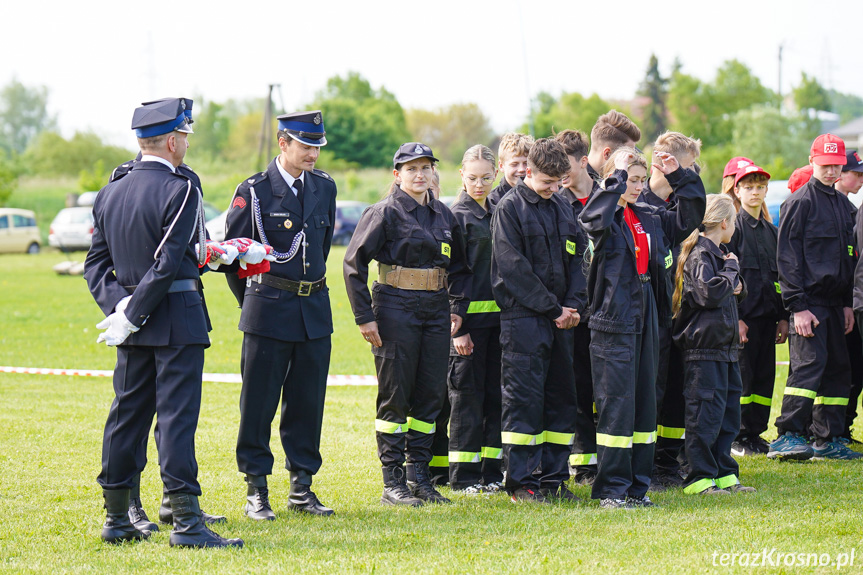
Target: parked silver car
(72, 229)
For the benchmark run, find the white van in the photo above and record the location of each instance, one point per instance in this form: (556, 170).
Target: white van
(18, 231)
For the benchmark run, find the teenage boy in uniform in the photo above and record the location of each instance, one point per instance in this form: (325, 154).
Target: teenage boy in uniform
(670, 404)
(611, 131)
(815, 257)
(512, 160)
(576, 189)
(849, 183)
(533, 255)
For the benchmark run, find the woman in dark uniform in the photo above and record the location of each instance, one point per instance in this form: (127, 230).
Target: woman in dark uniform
(409, 317)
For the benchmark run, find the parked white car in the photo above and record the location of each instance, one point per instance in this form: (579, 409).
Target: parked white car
(72, 229)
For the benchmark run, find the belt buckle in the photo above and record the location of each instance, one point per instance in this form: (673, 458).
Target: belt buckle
(305, 288)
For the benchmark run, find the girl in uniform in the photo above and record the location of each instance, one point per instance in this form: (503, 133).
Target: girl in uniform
(630, 241)
(409, 317)
(706, 329)
(474, 362)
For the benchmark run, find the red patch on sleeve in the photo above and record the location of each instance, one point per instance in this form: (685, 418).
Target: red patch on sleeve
(239, 203)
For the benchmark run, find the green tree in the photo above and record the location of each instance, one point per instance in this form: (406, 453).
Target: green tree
(775, 141)
(810, 94)
(655, 87)
(23, 115)
(364, 126)
(212, 126)
(49, 153)
(848, 106)
(571, 111)
(9, 172)
(450, 130)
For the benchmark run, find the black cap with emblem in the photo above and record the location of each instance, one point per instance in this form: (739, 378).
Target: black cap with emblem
(304, 127)
(412, 151)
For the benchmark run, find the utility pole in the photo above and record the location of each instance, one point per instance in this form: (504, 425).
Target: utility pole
(779, 86)
(267, 127)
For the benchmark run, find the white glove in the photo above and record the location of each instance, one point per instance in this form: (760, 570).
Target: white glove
(122, 304)
(254, 255)
(117, 327)
(227, 257)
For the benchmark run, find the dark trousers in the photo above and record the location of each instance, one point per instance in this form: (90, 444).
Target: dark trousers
(538, 402)
(148, 381)
(411, 367)
(820, 378)
(758, 372)
(712, 392)
(439, 464)
(583, 457)
(474, 394)
(855, 355)
(624, 385)
(296, 372)
(670, 406)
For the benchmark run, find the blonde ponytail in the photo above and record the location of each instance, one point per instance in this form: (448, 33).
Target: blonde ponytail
(720, 208)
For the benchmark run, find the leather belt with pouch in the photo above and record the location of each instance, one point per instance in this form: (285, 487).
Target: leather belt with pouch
(301, 288)
(432, 279)
(176, 286)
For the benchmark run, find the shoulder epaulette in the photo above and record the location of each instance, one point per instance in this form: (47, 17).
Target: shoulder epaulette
(254, 179)
(322, 174)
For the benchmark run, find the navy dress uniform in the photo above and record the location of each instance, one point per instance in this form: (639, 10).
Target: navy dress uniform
(137, 515)
(421, 281)
(142, 265)
(286, 317)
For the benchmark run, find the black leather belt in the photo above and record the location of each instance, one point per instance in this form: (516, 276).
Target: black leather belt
(176, 286)
(644, 278)
(300, 288)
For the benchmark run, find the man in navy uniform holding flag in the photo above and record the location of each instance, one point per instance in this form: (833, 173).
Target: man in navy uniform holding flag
(286, 317)
(143, 272)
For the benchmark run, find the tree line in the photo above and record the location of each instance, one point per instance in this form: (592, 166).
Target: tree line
(732, 113)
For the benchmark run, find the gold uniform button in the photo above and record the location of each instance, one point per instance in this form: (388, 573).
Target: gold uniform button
(288, 224)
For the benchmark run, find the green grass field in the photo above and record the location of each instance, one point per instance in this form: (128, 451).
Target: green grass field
(50, 504)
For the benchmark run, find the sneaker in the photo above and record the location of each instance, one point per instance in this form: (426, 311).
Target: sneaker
(615, 504)
(560, 494)
(666, 480)
(529, 495)
(477, 489)
(713, 490)
(740, 488)
(835, 450)
(791, 446)
(743, 448)
(759, 445)
(643, 501)
(494, 487)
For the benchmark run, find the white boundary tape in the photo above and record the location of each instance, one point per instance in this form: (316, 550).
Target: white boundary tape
(334, 380)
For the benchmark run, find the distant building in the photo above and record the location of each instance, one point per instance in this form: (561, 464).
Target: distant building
(852, 133)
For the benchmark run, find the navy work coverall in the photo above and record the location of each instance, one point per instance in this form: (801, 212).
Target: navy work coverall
(414, 325)
(706, 330)
(534, 260)
(816, 259)
(624, 326)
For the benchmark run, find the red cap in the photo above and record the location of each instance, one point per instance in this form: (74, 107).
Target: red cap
(734, 165)
(799, 178)
(828, 150)
(751, 169)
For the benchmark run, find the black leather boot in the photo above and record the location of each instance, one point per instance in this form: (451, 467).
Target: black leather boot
(117, 526)
(258, 499)
(167, 518)
(190, 529)
(396, 490)
(137, 515)
(419, 482)
(302, 498)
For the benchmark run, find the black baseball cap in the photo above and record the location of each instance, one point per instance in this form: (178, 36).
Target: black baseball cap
(854, 164)
(412, 151)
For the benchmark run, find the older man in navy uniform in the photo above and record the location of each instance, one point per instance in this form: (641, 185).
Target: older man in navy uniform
(137, 515)
(142, 265)
(286, 316)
